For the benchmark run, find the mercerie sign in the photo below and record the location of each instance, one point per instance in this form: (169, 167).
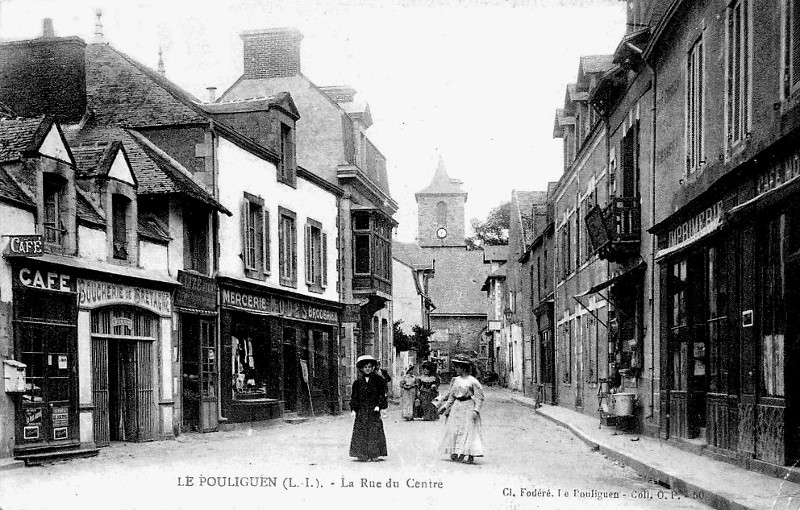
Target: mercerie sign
(25, 246)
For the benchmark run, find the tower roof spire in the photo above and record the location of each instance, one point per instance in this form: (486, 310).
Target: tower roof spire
(442, 184)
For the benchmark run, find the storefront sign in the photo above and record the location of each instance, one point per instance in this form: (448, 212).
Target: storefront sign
(273, 305)
(25, 246)
(778, 174)
(92, 293)
(49, 280)
(198, 292)
(692, 228)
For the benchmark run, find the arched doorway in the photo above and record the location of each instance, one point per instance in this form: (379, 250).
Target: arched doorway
(123, 374)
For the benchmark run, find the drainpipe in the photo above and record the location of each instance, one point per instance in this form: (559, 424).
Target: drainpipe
(653, 247)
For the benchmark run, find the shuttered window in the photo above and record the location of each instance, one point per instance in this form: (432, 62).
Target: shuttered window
(737, 97)
(315, 256)
(791, 37)
(694, 107)
(287, 247)
(255, 237)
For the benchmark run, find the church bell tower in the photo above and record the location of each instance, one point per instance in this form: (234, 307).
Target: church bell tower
(440, 211)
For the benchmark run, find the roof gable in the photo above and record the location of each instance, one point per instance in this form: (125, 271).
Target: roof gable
(55, 146)
(120, 169)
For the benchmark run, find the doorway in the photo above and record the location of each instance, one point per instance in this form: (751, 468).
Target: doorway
(123, 375)
(199, 374)
(290, 365)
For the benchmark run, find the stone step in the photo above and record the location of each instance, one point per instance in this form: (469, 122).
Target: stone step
(37, 459)
(294, 418)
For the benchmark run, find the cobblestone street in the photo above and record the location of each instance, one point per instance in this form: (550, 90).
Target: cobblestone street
(530, 463)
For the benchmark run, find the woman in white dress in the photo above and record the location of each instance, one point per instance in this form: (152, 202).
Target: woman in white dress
(408, 385)
(462, 437)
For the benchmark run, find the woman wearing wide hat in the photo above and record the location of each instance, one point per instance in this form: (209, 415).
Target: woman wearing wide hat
(367, 400)
(462, 437)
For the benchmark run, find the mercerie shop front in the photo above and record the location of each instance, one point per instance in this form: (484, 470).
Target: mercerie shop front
(278, 352)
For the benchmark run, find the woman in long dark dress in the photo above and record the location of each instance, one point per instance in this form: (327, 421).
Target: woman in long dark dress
(367, 401)
(428, 384)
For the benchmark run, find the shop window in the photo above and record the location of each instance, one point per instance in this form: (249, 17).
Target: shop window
(120, 205)
(249, 367)
(316, 256)
(679, 324)
(738, 93)
(773, 307)
(196, 232)
(255, 237)
(54, 209)
(695, 81)
(287, 244)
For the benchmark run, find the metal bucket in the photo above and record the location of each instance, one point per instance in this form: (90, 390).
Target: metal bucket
(623, 403)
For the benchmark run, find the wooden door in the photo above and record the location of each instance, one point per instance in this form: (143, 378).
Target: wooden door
(100, 394)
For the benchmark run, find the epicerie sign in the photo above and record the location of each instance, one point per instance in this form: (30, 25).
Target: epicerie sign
(92, 293)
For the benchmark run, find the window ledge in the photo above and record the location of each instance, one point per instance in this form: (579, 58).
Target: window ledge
(288, 283)
(315, 288)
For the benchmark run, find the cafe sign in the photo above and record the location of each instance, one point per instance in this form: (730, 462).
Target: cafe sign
(278, 306)
(25, 246)
(93, 293)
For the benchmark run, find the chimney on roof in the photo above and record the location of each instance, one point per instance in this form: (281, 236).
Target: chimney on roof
(271, 53)
(47, 29)
(161, 69)
(98, 27)
(212, 94)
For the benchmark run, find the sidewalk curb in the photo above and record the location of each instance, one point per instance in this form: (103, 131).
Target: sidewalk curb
(7, 465)
(684, 487)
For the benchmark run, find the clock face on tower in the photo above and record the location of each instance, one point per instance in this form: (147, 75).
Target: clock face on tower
(441, 233)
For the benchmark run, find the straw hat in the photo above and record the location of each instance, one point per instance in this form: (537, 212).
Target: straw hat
(363, 360)
(460, 359)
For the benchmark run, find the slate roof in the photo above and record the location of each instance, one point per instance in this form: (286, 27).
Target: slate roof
(85, 210)
(455, 288)
(596, 63)
(151, 228)
(21, 135)
(156, 173)
(525, 202)
(10, 191)
(442, 183)
(123, 92)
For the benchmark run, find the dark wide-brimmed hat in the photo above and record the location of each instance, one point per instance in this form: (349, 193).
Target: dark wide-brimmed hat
(429, 365)
(460, 359)
(366, 359)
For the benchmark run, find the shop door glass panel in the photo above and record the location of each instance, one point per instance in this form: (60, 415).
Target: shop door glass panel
(208, 376)
(48, 404)
(190, 362)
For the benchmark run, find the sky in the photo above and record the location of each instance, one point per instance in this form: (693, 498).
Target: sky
(475, 82)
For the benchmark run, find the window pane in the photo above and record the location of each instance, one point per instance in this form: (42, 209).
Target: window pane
(362, 253)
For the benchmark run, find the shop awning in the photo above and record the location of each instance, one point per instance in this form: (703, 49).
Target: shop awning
(767, 199)
(704, 232)
(611, 281)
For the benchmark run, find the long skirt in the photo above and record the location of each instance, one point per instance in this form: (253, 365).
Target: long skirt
(368, 441)
(427, 409)
(407, 403)
(462, 435)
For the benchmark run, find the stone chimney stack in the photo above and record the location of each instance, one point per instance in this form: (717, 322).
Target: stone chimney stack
(212, 94)
(271, 53)
(47, 29)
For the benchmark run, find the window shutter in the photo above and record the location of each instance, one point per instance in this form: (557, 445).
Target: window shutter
(309, 256)
(293, 250)
(274, 135)
(795, 41)
(324, 259)
(245, 250)
(291, 171)
(266, 241)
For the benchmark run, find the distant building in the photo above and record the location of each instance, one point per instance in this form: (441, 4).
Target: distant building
(459, 319)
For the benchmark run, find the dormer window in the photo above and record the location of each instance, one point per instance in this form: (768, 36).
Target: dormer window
(119, 212)
(286, 166)
(53, 218)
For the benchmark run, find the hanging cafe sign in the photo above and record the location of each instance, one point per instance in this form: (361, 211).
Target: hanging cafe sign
(24, 246)
(274, 305)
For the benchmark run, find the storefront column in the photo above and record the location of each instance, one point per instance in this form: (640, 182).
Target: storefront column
(166, 402)
(86, 403)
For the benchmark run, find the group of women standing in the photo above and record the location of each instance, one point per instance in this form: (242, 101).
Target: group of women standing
(462, 439)
(418, 393)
